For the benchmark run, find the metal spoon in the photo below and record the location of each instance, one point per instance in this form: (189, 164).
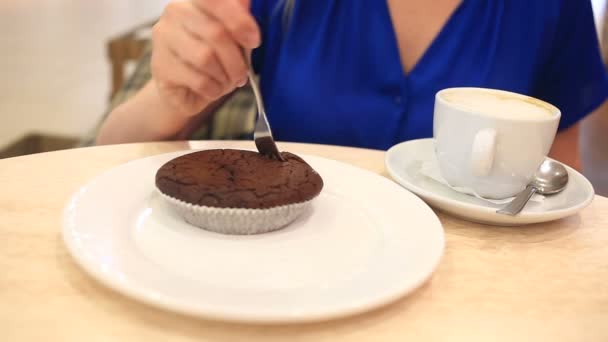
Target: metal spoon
(550, 179)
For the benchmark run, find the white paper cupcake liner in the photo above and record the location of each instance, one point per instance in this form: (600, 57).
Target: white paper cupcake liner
(236, 221)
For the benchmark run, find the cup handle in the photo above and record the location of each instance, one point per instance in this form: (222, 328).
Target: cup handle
(482, 153)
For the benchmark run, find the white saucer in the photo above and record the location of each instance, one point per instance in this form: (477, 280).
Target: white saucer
(364, 242)
(404, 161)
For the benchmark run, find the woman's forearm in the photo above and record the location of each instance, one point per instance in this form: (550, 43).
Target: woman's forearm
(566, 147)
(144, 117)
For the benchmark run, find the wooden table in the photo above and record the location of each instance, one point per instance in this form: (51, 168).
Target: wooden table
(547, 282)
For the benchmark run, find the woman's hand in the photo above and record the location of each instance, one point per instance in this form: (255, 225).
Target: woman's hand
(197, 52)
(196, 59)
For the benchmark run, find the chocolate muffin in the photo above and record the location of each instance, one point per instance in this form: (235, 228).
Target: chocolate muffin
(238, 191)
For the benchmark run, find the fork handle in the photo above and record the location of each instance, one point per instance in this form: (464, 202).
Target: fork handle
(254, 85)
(258, 95)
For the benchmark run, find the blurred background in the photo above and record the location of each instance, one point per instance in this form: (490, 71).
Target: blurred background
(61, 61)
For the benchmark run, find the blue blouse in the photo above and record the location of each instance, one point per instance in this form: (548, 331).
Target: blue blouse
(334, 74)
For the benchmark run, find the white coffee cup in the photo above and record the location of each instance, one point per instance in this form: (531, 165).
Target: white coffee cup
(491, 141)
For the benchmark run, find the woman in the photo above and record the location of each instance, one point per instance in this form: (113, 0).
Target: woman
(364, 73)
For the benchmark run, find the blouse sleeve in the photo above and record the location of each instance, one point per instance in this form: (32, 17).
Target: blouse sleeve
(574, 78)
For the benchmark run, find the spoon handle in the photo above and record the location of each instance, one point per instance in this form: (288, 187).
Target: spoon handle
(519, 202)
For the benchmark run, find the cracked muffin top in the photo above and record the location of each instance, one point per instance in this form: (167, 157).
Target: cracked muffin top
(238, 179)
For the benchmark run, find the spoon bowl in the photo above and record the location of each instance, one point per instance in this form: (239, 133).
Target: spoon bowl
(550, 178)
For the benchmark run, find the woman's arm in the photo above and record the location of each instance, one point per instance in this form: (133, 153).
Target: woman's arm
(573, 78)
(566, 145)
(144, 117)
(197, 59)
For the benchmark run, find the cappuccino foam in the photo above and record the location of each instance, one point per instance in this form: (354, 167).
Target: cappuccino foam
(498, 104)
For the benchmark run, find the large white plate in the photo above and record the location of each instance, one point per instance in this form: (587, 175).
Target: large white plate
(404, 162)
(365, 242)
